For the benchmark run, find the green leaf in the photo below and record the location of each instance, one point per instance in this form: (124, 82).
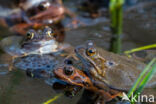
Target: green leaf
(136, 84)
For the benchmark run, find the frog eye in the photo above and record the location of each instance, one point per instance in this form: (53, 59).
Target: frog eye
(91, 51)
(30, 35)
(44, 5)
(68, 70)
(50, 33)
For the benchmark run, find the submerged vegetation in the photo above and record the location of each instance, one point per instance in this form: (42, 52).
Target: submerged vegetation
(53, 99)
(139, 49)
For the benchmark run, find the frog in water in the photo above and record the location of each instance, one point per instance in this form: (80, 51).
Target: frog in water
(34, 43)
(118, 72)
(77, 77)
(38, 15)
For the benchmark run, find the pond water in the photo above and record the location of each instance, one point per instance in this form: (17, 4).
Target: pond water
(139, 29)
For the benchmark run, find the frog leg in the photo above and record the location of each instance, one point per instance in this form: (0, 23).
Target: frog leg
(102, 65)
(99, 71)
(116, 93)
(12, 63)
(20, 28)
(25, 17)
(71, 55)
(103, 97)
(92, 62)
(11, 67)
(107, 96)
(25, 54)
(72, 90)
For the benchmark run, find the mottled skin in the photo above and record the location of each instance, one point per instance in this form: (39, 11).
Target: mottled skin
(116, 71)
(109, 74)
(33, 43)
(38, 16)
(77, 77)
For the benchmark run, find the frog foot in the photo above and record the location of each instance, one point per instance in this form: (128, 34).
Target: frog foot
(23, 55)
(20, 28)
(10, 67)
(107, 96)
(12, 62)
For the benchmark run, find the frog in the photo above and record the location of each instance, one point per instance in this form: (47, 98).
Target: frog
(78, 77)
(35, 42)
(116, 71)
(37, 16)
(68, 89)
(42, 66)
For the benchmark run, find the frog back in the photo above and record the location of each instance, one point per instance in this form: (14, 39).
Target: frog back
(125, 71)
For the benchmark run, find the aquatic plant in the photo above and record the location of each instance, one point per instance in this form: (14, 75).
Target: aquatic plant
(142, 80)
(139, 49)
(53, 99)
(116, 15)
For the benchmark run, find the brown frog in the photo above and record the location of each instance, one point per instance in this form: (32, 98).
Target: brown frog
(116, 71)
(35, 42)
(37, 16)
(74, 76)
